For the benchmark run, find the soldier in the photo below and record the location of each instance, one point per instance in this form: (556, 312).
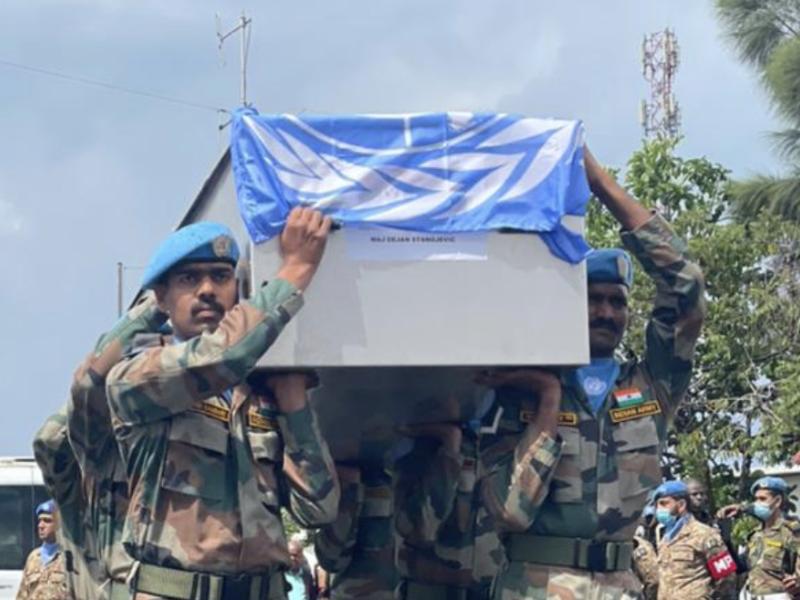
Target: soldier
(569, 503)
(645, 558)
(62, 476)
(298, 575)
(699, 501)
(43, 577)
(772, 550)
(212, 449)
(693, 561)
(358, 547)
(447, 545)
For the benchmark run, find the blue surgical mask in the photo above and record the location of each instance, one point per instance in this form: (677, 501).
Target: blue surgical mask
(665, 517)
(762, 511)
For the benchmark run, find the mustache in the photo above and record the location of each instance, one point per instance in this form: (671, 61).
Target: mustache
(208, 305)
(604, 324)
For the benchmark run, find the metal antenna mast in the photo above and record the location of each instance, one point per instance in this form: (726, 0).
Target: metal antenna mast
(660, 116)
(244, 45)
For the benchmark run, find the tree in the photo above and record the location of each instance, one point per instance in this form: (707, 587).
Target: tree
(744, 396)
(766, 34)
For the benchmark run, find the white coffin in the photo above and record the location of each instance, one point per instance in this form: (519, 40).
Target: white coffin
(519, 306)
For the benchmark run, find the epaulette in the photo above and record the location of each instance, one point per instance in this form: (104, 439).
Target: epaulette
(793, 525)
(142, 342)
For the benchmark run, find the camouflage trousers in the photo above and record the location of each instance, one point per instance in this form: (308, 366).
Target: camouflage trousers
(528, 581)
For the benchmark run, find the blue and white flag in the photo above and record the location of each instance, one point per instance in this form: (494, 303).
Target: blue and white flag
(430, 172)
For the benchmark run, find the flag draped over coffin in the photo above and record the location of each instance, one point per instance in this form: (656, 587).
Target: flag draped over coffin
(431, 172)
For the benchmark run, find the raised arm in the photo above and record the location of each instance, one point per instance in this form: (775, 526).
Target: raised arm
(520, 467)
(88, 418)
(426, 481)
(334, 543)
(679, 305)
(206, 365)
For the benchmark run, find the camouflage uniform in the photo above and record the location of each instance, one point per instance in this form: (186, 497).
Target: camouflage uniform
(211, 460)
(765, 553)
(446, 538)
(358, 548)
(578, 526)
(687, 568)
(645, 566)
(43, 582)
(54, 455)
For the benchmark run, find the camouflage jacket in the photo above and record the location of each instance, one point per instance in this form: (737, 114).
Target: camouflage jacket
(358, 548)
(62, 477)
(208, 476)
(695, 564)
(43, 582)
(766, 549)
(608, 462)
(92, 439)
(645, 566)
(445, 535)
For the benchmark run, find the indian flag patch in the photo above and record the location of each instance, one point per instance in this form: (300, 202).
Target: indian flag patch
(628, 397)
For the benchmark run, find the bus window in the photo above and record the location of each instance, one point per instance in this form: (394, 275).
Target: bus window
(16, 527)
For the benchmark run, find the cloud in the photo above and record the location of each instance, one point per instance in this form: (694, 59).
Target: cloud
(11, 221)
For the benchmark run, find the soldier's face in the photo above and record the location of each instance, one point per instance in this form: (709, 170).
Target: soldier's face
(46, 528)
(698, 497)
(295, 557)
(767, 497)
(196, 296)
(608, 317)
(676, 506)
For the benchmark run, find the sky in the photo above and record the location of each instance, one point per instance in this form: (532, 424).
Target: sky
(90, 176)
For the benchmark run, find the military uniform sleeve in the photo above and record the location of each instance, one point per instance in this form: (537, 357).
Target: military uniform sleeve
(168, 380)
(307, 464)
(60, 471)
(89, 421)
(518, 481)
(24, 592)
(334, 543)
(679, 308)
(720, 565)
(425, 490)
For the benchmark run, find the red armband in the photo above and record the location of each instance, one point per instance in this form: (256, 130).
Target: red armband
(721, 565)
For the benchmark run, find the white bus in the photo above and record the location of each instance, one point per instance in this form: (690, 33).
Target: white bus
(21, 491)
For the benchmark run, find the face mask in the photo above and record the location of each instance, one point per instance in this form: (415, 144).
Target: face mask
(762, 511)
(665, 517)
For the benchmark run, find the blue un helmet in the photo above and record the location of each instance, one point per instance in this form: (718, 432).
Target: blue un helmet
(609, 265)
(199, 242)
(771, 483)
(674, 489)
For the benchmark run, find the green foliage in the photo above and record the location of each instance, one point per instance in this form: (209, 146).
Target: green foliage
(766, 34)
(756, 27)
(744, 398)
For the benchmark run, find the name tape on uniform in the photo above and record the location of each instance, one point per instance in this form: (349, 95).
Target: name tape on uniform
(564, 418)
(219, 413)
(620, 415)
(258, 421)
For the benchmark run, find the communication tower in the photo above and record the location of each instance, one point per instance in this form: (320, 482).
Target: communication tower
(660, 115)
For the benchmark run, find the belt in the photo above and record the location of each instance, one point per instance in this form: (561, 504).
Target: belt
(414, 590)
(577, 553)
(190, 585)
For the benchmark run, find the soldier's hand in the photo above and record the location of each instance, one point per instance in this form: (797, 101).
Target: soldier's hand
(790, 584)
(302, 244)
(729, 512)
(545, 384)
(289, 389)
(448, 434)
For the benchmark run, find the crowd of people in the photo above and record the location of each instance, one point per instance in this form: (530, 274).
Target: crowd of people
(174, 456)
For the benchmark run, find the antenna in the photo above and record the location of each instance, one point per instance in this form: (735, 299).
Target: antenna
(660, 116)
(244, 46)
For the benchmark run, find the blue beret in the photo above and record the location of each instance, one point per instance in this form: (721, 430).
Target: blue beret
(609, 265)
(675, 489)
(47, 507)
(199, 242)
(773, 484)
